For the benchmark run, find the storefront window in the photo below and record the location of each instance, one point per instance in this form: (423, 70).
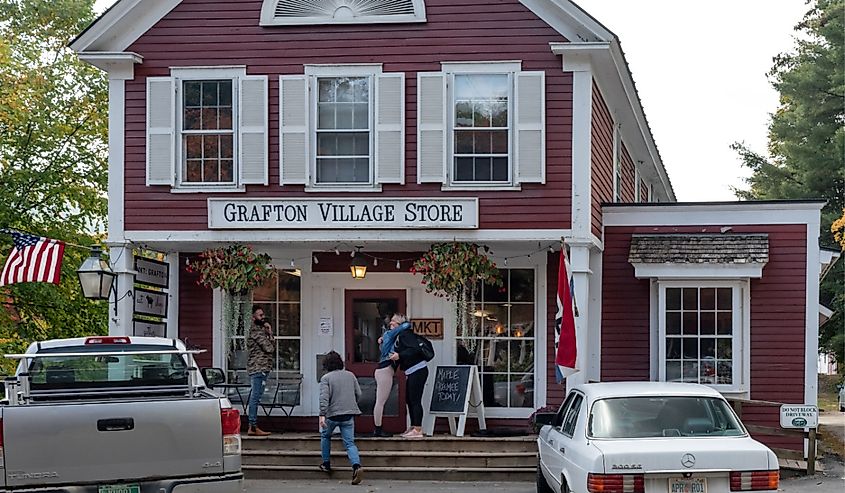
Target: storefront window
(280, 299)
(504, 348)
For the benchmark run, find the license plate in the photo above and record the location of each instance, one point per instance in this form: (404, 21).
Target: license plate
(687, 485)
(119, 488)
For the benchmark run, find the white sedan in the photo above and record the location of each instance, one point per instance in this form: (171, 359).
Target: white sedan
(648, 437)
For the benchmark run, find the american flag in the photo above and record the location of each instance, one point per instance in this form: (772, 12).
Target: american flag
(33, 259)
(566, 346)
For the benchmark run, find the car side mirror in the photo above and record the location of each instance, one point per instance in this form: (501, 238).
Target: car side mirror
(213, 376)
(542, 419)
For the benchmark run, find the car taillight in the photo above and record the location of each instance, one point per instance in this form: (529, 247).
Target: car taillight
(615, 483)
(230, 420)
(107, 340)
(755, 480)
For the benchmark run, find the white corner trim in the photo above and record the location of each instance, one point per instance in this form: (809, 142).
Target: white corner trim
(119, 65)
(568, 19)
(343, 69)
(811, 338)
(825, 311)
(117, 113)
(122, 25)
(698, 271)
(582, 121)
(828, 259)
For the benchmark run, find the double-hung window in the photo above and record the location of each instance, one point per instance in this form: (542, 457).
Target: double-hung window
(481, 125)
(207, 129)
(341, 127)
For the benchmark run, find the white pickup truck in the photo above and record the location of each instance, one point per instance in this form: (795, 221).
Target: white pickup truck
(116, 415)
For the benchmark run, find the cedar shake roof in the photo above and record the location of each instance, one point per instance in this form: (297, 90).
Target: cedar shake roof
(699, 249)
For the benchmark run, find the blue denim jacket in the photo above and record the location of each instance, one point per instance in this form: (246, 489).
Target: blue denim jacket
(388, 340)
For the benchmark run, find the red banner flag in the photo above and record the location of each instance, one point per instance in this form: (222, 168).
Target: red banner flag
(33, 259)
(566, 350)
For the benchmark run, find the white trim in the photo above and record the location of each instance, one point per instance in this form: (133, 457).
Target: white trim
(541, 283)
(594, 311)
(811, 338)
(117, 136)
(582, 118)
(617, 164)
(481, 67)
(122, 25)
(637, 183)
(268, 17)
(654, 330)
(467, 187)
(119, 65)
(218, 341)
(309, 236)
(825, 311)
(828, 259)
(343, 69)
(204, 72)
(206, 188)
(700, 214)
(173, 293)
(698, 271)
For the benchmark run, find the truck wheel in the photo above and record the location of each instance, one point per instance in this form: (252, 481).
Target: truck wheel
(542, 485)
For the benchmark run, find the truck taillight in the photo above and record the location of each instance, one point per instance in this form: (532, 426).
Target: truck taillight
(107, 340)
(615, 483)
(755, 480)
(230, 420)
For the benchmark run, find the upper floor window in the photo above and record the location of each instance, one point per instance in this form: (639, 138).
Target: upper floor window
(481, 125)
(207, 129)
(341, 127)
(343, 130)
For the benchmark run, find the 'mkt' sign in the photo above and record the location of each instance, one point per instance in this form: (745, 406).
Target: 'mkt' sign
(430, 328)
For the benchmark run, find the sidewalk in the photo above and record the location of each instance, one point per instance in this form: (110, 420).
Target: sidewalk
(381, 485)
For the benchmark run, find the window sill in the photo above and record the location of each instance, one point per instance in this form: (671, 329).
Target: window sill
(481, 188)
(342, 188)
(201, 189)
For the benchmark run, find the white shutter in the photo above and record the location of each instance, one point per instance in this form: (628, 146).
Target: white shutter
(293, 129)
(161, 150)
(431, 127)
(390, 128)
(252, 130)
(530, 142)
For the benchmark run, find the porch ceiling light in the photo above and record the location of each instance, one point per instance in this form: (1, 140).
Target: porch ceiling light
(358, 266)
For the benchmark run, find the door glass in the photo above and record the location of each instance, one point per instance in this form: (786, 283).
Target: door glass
(370, 319)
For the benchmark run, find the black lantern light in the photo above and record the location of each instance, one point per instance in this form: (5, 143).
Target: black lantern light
(358, 266)
(95, 276)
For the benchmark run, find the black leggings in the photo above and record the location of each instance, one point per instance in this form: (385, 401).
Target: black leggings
(414, 394)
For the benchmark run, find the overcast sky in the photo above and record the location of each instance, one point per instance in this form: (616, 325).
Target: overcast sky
(700, 68)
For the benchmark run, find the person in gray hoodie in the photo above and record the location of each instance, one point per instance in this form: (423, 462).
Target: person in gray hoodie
(339, 394)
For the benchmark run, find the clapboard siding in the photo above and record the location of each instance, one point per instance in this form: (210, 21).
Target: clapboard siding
(628, 176)
(778, 318)
(226, 32)
(195, 304)
(601, 159)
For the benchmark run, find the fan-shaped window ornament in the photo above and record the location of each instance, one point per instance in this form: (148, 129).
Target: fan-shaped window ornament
(299, 12)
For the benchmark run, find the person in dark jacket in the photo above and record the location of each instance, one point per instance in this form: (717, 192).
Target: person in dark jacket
(413, 363)
(261, 349)
(339, 395)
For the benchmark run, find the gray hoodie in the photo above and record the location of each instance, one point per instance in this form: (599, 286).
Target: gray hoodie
(339, 394)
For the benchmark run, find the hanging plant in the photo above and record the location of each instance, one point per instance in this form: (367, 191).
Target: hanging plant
(236, 269)
(454, 271)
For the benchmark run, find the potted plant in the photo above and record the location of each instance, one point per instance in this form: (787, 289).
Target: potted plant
(236, 269)
(455, 271)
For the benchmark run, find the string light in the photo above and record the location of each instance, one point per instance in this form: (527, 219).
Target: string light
(375, 261)
(336, 251)
(316, 260)
(292, 264)
(397, 265)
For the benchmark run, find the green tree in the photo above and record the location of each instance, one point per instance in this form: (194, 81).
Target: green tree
(806, 154)
(53, 161)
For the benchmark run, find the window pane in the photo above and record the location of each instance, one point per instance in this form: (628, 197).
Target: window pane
(209, 93)
(499, 114)
(344, 91)
(210, 170)
(523, 390)
(724, 299)
(211, 146)
(193, 146)
(724, 323)
(723, 348)
(499, 141)
(225, 93)
(690, 323)
(194, 170)
(500, 169)
(325, 116)
(325, 89)
(343, 116)
(724, 372)
(191, 120)
(522, 355)
(483, 142)
(690, 348)
(500, 389)
(361, 115)
(362, 170)
(482, 86)
(708, 347)
(209, 119)
(673, 348)
(227, 170)
(708, 299)
(463, 168)
(522, 284)
(343, 144)
(463, 114)
(288, 319)
(497, 294)
(289, 286)
(480, 114)
(464, 142)
(690, 299)
(690, 371)
(673, 323)
(226, 146)
(522, 321)
(483, 169)
(673, 371)
(265, 292)
(673, 299)
(191, 92)
(327, 170)
(708, 323)
(288, 354)
(708, 372)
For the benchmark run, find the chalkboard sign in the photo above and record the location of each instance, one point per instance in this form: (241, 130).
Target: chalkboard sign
(451, 384)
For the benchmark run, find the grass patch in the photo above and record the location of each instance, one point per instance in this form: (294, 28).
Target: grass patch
(828, 395)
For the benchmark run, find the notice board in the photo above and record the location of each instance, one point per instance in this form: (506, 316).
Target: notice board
(451, 389)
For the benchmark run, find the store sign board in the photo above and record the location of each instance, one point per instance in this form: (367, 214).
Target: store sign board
(356, 213)
(799, 416)
(430, 328)
(152, 272)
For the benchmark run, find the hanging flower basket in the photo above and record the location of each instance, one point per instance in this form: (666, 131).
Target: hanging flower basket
(454, 271)
(236, 269)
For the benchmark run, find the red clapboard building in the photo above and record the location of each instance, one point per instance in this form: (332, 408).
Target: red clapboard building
(310, 129)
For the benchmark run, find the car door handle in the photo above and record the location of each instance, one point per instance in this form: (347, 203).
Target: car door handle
(115, 424)
(552, 443)
(562, 450)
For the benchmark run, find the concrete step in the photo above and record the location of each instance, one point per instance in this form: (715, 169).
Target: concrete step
(394, 458)
(437, 443)
(484, 474)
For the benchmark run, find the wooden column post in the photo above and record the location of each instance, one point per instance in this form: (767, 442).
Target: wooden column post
(811, 453)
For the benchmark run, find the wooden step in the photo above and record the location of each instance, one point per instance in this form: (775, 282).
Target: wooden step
(437, 443)
(394, 458)
(486, 474)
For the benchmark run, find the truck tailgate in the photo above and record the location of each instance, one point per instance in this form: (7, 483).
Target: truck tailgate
(111, 442)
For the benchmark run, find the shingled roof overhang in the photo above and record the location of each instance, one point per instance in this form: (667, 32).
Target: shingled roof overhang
(699, 255)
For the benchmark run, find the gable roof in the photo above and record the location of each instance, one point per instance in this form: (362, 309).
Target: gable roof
(127, 20)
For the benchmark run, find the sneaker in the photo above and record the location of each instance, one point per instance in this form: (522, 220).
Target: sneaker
(357, 474)
(413, 434)
(326, 467)
(255, 431)
(380, 433)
